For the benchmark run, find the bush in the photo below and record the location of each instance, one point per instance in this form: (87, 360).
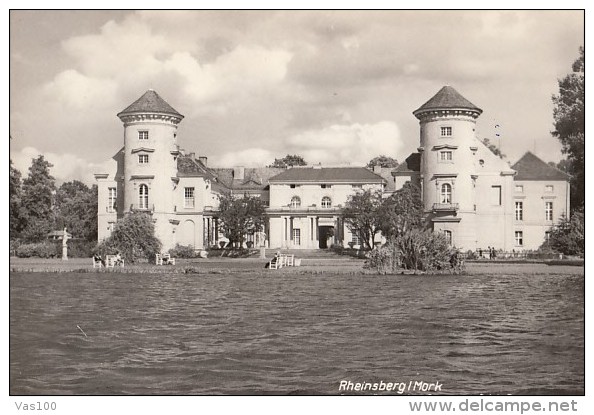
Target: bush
(568, 236)
(183, 251)
(80, 248)
(418, 250)
(133, 238)
(45, 249)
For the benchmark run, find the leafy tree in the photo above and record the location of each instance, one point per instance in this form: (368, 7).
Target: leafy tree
(402, 211)
(16, 221)
(493, 148)
(37, 200)
(76, 209)
(569, 116)
(563, 165)
(567, 236)
(361, 214)
(241, 217)
(133, 237)
(384, 161)
(289, 161)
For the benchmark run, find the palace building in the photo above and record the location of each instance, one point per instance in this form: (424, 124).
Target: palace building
(470, 194)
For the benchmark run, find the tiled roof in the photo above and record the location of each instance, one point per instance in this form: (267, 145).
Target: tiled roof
(410, 165)
(530, 167)
(447, 98)
(150, 102)
(327, 175)
(253, 178)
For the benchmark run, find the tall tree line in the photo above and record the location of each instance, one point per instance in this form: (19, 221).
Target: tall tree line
(37, 206)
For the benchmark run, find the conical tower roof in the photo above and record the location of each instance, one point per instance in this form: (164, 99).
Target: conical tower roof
(447, 99)
(150, 102)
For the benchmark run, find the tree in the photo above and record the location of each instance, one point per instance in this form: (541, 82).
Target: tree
(493, 148)
(37, 200)
(569, 121)
(289, 161)
(402, 211)
(76, 209)
(563, 165)
(14, 188)
(384, 161)
(133, 237)
(567, 236)
(361, 214)
(241, 217)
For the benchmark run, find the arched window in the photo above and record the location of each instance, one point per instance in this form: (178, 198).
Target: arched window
(295, 201)
(448, 235)
(446, 193)
(143, 196)
(326, 202)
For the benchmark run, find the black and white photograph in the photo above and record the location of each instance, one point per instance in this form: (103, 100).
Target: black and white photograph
(345, 203)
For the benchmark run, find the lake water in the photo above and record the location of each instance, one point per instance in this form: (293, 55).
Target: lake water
(273, 333)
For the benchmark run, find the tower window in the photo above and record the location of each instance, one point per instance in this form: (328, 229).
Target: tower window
(549, 188)
(143, 196)
(326, 202)
(143, 135)
(448, 236)
(188, 197)
(295, 202)
(111, 201)
(519, 238)
(143, 158)
(446, 193)
(446, 131)
(548, 210)
(519, 188)
(519, 210)
(446, 155)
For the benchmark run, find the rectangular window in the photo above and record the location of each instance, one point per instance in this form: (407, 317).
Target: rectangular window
(547, 236)
(519, 238)
(355, 239)
(143, 158)
(496, 195)
(143, 135)
(519, 188)
(188, 197)
(519, 210)
(357, 186)
(112, 198)
(293, 186)
(549, 188)
(446, 131)
(326, 186)
(296, 236)
(548, 210)
(445, 155)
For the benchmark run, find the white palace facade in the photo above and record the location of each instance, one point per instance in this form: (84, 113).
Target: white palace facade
(471, 195)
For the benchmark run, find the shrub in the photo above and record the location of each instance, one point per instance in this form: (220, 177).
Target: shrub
(80, 248)
(418, 250)
(568, 236)
(45, 249)
(133, 238)
(183, 251)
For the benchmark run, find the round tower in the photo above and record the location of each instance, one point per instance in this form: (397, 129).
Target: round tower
(447, 135)
(150, 159)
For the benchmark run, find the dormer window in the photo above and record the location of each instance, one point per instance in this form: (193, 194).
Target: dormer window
(446, 131)
(295, 202)
(143, 135)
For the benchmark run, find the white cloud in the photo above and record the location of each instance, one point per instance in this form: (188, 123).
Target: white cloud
(79, 91)
(66, 167)
(354, 143)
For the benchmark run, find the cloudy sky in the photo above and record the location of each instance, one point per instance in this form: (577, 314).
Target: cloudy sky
(334, 87)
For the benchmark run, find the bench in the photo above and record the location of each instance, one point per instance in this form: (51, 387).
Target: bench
(112, 260)
(97, 262)
(282, 260)
(164, 259)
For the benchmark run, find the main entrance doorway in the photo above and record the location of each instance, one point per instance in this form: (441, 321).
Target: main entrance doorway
(326, 232)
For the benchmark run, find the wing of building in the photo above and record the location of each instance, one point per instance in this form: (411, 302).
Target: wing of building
(471, 195)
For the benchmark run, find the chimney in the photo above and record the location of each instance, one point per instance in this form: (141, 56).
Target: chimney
(377, 169)
(203, 160)
(238, 172)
